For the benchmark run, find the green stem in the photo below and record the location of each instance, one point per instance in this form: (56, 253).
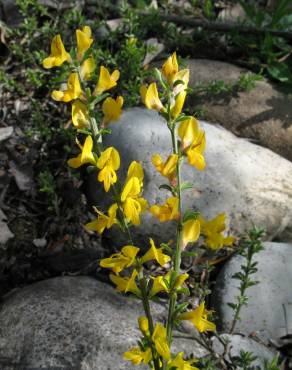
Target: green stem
(146, 306)
(177, 255)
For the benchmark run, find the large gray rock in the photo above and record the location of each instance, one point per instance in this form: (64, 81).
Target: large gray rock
(250, 183)
(72, 323)
(263, 114)
(269, 308)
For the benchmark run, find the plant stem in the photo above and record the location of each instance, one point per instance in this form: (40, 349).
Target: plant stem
(146, 306)
(177, 254)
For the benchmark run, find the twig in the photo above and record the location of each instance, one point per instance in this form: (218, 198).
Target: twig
(220, 26)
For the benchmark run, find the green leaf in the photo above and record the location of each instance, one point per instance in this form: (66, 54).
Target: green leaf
(187, 185)
(190, 215)
(168, 187)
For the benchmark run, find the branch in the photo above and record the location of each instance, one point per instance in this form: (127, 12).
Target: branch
(220, 26)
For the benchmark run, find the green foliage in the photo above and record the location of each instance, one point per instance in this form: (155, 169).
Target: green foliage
(252, 246)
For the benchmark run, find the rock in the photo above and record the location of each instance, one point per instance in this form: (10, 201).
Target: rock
(5, 133)
(232, 14)
(250, 183)
(239, 343)
(73, 323)
(9, 13)
(263, 114)
(268, 302)
(5, 233)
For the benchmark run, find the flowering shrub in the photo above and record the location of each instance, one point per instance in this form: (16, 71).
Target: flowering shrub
(92, 111)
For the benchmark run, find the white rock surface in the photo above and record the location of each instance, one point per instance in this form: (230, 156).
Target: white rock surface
(250, 183)
(269, 301)
(239, 343)
(73, 323)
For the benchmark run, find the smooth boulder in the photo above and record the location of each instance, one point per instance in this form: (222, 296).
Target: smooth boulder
(251, 184)
(263, 114)
(73, 323)
(269, 309)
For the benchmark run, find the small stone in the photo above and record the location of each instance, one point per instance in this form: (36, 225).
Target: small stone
(269, 308)
(5, 133)
(263, 114)
(5, 233)
(75, 323)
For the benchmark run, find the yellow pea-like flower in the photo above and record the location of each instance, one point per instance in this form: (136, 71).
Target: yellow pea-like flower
(167, 168)
(183, 76)
(103, 221)
(170, 68)
(73, 91)
(119, 261)
(87, 68)
(126, 284)
(150, 97)
(86, 155)
(178, 105)
(168, 211)
(84, 41)
(190, 232)
(79, 113)
(180, 364)
(155, 254)
(136, 356)
(106, 80)
(136, 170)
(58, 54)
(143, 325)
(213, 232)
(199, 318)
(189, 131)
(162, 283)
(108, 163)
(193, 142)
(159, 338)
(112, 109)
(195, 152)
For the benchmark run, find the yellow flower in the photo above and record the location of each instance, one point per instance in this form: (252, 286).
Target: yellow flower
(170, 68)
(136, 170)
(150, 97)
(190, 232)
(80, 117)
(87, 68)
(136, 356)
(126, 284)
(162, 283)
(167, 168)
(180, 364)
(183, 76)
(195, 152)
(199, 318)
(119, 261)
(159, 338)
(108, 163)
(58, 54)
(112, 109)
(168, 211)
(179, 103)
(155, 254)
(143, 325)
(103, 221)
(86, 155)
(213, 229)
(193, 141)
(73, 90)
(188, 131)
(133, 205)
(84, 41)
(106, 80)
